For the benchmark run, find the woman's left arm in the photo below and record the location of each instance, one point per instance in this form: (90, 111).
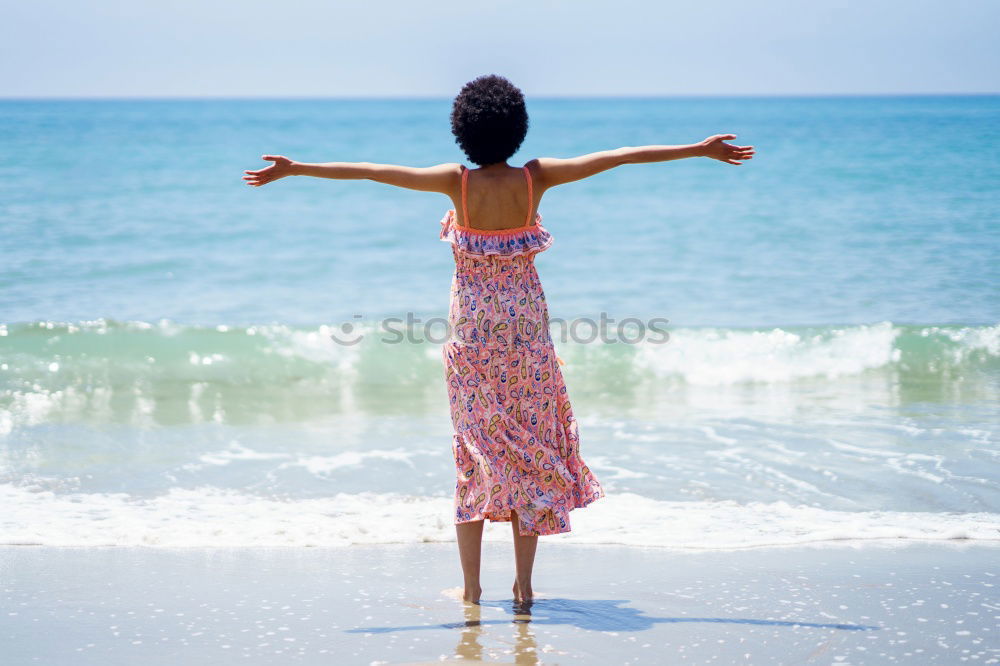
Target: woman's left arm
(439, 178)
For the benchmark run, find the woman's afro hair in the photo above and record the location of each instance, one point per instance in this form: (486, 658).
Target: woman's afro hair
(489, 119)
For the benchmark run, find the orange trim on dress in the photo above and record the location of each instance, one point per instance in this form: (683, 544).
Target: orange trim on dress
(531, 197)
(465, 211)
(493, 232)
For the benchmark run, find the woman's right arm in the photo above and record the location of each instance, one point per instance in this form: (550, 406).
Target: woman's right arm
(552, 171)
(442, 178)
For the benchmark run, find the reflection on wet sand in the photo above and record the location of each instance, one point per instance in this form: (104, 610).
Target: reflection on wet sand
(525, 646)
(469, 646)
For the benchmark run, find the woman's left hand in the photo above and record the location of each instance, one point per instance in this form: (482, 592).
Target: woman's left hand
(282, 167)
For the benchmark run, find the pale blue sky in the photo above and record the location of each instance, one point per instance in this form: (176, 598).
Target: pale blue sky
(316, 48)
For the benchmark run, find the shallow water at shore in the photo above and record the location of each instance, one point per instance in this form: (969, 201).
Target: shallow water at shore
(917, 604)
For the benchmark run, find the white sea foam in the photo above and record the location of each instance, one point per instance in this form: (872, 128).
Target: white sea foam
(612, 471)
(213, 517)
(711, 357)
(324, 465)
(234, 452)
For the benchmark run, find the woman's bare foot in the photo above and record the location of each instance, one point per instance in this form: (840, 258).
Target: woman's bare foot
(472, 596)
(521, 595)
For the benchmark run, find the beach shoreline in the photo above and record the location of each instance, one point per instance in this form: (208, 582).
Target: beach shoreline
(848, 603)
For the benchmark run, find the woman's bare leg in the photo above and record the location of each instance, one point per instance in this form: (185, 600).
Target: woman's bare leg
(524, 556)
(470, 548)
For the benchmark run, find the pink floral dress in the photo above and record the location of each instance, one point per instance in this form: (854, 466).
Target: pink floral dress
(516, 444)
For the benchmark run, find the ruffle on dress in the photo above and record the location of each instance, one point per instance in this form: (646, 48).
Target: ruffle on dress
(523, 240)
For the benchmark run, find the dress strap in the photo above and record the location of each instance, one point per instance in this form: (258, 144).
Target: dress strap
(465, 187)
(531, 196)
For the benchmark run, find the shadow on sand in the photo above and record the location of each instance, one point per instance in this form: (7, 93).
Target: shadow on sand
(592, 614)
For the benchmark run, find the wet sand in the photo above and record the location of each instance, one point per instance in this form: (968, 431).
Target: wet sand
(877, 603)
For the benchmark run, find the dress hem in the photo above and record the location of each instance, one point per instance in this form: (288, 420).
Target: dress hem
(494, 518)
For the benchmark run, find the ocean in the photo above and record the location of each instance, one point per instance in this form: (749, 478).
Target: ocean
(169, 373)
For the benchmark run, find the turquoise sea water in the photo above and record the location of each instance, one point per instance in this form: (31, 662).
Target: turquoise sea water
(167, 373)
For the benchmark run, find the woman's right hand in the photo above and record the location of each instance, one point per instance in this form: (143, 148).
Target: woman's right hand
(715, 148)
(282, 167)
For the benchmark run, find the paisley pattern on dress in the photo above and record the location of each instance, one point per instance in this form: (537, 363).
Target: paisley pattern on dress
(516, 444)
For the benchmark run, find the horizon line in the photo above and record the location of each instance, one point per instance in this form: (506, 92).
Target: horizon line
(592, 96)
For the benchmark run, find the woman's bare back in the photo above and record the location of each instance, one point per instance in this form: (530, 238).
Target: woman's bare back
(498, 197)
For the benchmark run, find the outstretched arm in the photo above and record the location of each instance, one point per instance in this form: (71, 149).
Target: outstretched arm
(552, 171)
(440, 178)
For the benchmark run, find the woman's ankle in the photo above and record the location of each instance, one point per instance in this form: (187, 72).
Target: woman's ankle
(472, 593)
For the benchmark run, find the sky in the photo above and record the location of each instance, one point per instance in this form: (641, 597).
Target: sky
(373, 48)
